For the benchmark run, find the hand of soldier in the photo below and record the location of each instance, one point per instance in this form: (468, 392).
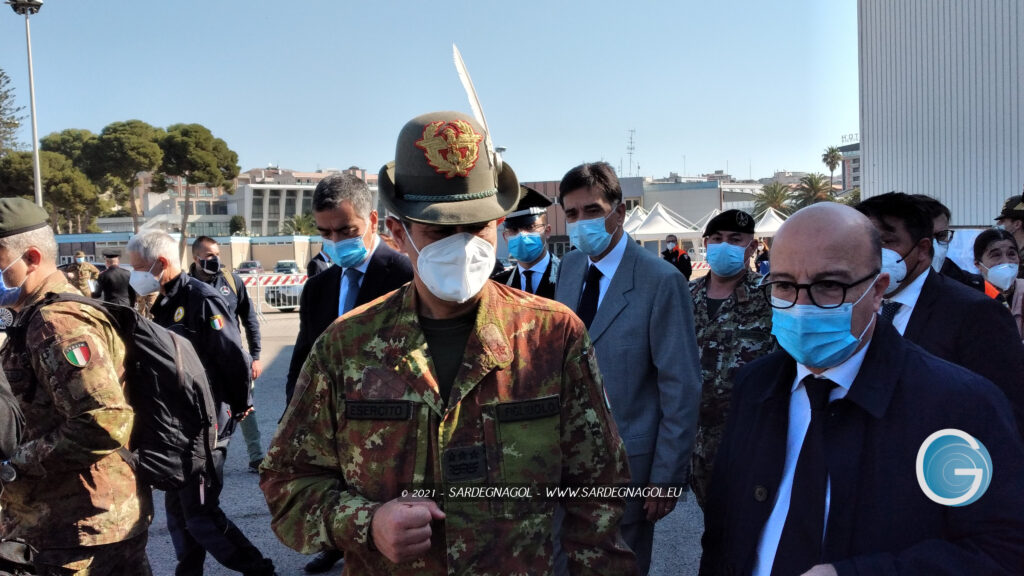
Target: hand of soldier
(257, 369)
(401, 528)
(657, 508)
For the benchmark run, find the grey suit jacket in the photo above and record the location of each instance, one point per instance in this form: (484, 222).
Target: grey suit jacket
(646, 349)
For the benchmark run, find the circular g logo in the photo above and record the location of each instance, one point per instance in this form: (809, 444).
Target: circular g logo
(953, 468)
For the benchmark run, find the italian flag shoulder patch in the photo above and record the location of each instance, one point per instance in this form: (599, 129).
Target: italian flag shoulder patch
(78, 354)
(217, 322)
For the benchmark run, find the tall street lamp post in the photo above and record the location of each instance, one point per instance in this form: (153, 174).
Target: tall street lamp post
(25, 8)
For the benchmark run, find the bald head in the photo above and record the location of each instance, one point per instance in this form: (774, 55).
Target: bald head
(839, 249)
(831, 232)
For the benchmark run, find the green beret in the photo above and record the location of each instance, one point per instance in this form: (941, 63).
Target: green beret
(18, 216)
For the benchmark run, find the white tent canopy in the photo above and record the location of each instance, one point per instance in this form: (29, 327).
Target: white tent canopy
(634, 218)
(661, 222)
(701, 224)
(769, 223)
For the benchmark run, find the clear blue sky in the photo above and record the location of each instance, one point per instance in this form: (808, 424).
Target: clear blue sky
(328, 83)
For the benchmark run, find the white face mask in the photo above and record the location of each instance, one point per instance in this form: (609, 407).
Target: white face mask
(894, 265)
(940, 255)
(1002, 275)
(144, 283)
(455, 268)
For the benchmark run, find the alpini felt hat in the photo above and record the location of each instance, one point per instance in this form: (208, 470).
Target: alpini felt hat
(443, 173)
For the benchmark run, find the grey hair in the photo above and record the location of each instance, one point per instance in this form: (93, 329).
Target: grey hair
(336, 188)
(41, 239)
(152, 244)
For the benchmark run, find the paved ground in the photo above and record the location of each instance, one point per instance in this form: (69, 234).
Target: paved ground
(677, 541)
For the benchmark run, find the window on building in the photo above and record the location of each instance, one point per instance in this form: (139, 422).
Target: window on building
(203, 208)
(220, 208)
(257, 205)
(307, 203)
(632, 203)
(205, 193)
(289, 207)
(272, 228)
(559, 246)
(274, 210)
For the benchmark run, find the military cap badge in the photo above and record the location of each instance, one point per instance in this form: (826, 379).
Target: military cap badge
(451, 148)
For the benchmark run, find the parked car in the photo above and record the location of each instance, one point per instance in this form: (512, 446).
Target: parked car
(250, 267)
(287, 267)
(284, 298)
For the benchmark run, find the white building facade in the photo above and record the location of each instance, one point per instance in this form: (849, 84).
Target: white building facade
(941, 99)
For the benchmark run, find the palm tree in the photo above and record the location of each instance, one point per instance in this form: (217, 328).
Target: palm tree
(851, 198)
(812, 189)
(776, 196)
(832, 157)
(300, 225)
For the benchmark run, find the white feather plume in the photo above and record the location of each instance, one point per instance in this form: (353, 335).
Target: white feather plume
(474, 103)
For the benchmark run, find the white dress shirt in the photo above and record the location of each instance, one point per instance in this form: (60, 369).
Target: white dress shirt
(538, 271)
(799, 420)
(345, 287)
(908, 298)
(608, 265)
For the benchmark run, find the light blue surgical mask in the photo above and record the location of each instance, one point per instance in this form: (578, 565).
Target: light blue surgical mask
(80, 260)
(526, 246)
(9, 296)
(346, 253)
(590, 236)
(818, 337)
(726, 260)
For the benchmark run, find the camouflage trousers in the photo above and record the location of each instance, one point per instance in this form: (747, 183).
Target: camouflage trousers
(127, 558)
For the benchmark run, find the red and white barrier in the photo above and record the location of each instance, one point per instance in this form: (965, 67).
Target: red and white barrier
(273, 280)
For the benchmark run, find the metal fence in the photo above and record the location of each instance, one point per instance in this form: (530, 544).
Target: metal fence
(274, 292)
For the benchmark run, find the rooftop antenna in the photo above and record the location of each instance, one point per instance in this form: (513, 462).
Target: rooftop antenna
(630, 148)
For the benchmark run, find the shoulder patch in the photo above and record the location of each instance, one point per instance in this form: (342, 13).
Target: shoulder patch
(217, 322)
(78, 354)
(179, 313)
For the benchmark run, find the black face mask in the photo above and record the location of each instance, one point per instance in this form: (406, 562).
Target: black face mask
(210, 266)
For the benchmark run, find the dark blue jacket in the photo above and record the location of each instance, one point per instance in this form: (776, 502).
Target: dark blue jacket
(968, 328)
(196, 311)
(880, 522)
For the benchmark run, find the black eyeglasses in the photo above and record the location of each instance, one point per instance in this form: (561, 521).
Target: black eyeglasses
(826, 294)
(944, 237)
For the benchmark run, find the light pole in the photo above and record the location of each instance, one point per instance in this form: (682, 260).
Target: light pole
(27, 7)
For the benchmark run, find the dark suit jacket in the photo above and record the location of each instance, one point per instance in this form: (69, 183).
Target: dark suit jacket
(317, 265)
(113, 287)
(318, 305)
(968, 328)
(546, 287)
(879, 521)
(950, 269)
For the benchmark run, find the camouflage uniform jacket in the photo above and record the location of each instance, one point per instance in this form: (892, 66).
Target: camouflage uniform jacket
(740, 332)
(527, 407)
(73, 488)
(80, 274)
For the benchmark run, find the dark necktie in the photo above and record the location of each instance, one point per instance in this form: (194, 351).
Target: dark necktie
(528, 275)
(588, 300)
(352, 277)
(800, 544)
(889, 309)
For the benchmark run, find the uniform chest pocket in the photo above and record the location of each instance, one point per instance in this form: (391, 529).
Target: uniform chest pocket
(527, 435)
(383, 446)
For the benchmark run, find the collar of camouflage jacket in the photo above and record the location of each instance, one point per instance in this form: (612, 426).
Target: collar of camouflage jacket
(487, 349)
